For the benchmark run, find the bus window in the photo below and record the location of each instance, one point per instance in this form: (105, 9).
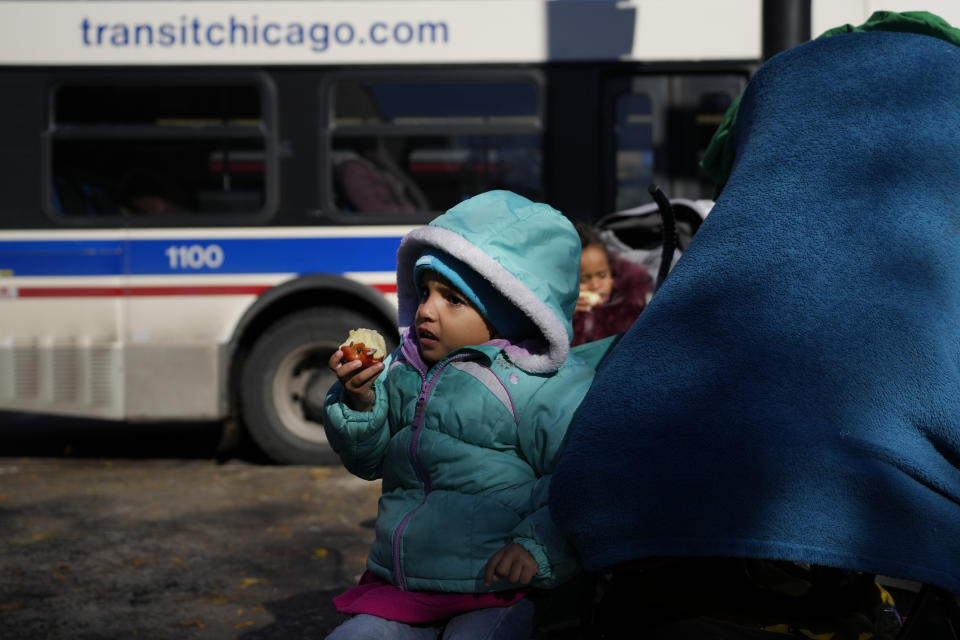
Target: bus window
(637, 108)
(634, 149)
(661, 127)
(701, 103)
(414, 146)
(163, 148)
(711, 107)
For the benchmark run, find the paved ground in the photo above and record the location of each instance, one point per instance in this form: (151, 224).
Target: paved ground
(148, 535)
(159, 532)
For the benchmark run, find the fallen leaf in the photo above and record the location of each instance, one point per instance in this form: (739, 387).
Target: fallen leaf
(10, 606)
(245, 623)
(319, 554)
(21, 542)
(197, 623)
(249, 582)
(139, 562)
(320, 473)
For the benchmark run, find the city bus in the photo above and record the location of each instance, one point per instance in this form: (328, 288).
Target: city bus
(200, 199)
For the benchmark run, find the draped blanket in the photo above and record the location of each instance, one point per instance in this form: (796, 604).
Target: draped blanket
(792, 392)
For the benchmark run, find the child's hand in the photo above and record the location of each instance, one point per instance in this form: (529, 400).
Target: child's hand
(587, 301)
(512, 562)
(357, 382)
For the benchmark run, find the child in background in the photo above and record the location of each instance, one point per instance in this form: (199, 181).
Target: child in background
(464, 423)
(613, 290)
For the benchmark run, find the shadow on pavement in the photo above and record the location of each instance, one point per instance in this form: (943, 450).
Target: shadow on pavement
(34, 435)
(310, 614)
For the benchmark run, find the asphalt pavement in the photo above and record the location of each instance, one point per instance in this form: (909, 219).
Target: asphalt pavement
(170, 531)
(155, 531)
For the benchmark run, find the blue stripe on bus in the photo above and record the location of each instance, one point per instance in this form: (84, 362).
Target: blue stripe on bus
(165, 256)
(61, 257)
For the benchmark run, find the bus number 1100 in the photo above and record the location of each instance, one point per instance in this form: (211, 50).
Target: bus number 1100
(195, 256)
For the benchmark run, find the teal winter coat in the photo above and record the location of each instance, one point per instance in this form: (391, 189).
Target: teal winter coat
(466, 447)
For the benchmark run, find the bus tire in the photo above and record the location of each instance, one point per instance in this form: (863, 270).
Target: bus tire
(292, 352)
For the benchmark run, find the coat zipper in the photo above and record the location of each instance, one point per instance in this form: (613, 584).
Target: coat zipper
(418, 418)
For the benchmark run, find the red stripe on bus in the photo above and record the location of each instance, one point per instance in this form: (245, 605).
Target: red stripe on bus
(86, 292)
(68, 292)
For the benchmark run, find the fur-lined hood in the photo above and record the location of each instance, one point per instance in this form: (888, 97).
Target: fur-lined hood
(528, 251)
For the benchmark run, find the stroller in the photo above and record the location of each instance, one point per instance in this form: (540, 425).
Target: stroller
(652, 231)
(782, 423)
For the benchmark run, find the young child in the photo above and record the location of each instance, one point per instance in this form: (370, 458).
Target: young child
(464, 423)
(613, 292)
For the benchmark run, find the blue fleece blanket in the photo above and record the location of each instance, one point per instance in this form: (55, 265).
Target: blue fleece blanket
(794, 387)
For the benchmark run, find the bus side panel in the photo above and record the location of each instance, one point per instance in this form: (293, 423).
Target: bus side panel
(75, 376)
(178, 382)
(175, 347)
(61, 324)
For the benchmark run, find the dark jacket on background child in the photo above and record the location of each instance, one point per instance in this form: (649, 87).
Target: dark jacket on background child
(632, 287)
